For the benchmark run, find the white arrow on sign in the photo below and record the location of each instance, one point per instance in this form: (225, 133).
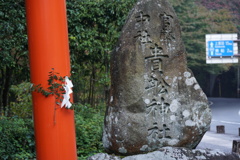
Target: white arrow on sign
(211, 44)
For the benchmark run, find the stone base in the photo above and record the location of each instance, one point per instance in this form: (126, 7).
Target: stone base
(171, 153)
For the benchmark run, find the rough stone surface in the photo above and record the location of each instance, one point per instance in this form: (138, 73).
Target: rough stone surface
(103, 156)
(155, 100)
(169, 153)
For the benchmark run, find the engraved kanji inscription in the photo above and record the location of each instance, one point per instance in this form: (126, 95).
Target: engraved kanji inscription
(156, 58)
(142, 17)
(157, 132)
(153, 132)
(167, 27)
(150, 82)
(164, 108)
(155, 50)
(143, 37)
(163, 90)
(166, 23)
(157, 108)
(165, 132)
(153, 108)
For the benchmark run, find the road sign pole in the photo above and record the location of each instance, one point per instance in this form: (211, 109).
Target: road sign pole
(238, 71)
(238, 76)
(48, 48)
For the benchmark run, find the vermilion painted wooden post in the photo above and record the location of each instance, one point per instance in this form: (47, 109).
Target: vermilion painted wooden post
(48, 48)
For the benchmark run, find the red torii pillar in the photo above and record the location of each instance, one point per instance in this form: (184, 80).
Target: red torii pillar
(48, 48)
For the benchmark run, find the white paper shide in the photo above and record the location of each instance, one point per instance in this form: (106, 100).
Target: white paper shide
(68, 90)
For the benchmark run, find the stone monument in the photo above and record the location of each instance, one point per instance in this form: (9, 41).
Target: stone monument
(155, 100)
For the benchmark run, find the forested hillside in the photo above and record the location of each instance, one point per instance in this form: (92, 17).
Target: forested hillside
(94, 27)
(208, 17)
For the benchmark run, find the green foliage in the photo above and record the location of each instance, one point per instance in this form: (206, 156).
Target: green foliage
(197, 21)
(17, 139)
(94, 27)
(231, 8)
(89, 124)
(17, 134)
(13, 48)
(55, 88)
(21, 106)
(13, 38)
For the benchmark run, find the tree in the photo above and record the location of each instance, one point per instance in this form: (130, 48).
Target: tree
(94, 27)
(13, 48)
(196, 21)
(231, 6)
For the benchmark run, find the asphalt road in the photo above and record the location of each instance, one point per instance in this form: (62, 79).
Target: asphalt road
(225, 111)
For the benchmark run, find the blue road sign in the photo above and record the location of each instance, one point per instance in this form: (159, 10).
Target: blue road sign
(220, 48)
